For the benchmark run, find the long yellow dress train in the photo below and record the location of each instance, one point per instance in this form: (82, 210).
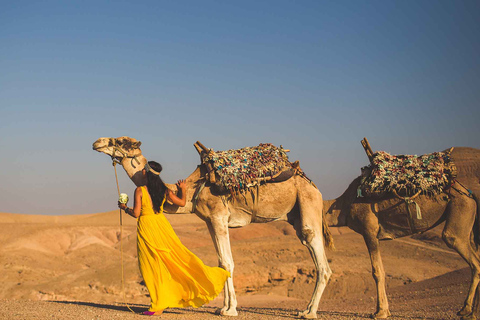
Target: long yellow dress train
(174, 276)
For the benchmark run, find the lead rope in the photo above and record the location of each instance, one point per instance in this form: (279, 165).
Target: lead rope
(114, 163)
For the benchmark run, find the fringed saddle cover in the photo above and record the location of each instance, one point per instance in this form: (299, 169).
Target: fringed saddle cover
(408, 174)
(239, 169)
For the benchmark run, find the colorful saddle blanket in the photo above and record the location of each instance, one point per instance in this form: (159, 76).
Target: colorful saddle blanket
(408, 174)
(240, 169)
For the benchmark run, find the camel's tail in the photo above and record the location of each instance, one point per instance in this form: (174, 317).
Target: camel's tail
(327, 235)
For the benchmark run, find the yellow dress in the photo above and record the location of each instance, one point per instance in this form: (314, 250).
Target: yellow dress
(174, 276)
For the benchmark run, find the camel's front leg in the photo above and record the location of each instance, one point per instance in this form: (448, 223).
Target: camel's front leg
(218, 228)
(378, 274)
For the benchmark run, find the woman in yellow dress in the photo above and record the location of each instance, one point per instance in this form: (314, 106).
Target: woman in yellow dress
(173, 275)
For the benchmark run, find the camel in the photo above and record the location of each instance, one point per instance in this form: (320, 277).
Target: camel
(295, 200)
(388, 218)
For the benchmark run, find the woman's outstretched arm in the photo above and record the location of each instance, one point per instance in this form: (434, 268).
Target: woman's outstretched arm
(180, 199)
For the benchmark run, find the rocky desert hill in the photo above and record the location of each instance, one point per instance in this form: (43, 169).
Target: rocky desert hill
(73, 263)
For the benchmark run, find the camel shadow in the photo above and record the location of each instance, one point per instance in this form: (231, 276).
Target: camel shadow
(293, 313)
(274, 312)
(279, 313)
(364, 315)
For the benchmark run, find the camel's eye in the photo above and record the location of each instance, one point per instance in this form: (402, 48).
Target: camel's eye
(127, 145)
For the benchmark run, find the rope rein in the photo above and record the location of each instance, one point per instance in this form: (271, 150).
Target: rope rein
(114, 163)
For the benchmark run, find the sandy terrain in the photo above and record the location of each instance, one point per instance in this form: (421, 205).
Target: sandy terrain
(69, 267)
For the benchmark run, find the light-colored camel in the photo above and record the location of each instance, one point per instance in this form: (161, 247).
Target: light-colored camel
(295, 200)
(389, 218)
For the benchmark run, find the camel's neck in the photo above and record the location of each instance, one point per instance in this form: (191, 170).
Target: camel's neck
(134, 169)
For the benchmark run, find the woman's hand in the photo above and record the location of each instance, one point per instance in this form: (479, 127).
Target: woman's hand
(122, 206)
(180, 198)
(181, 184)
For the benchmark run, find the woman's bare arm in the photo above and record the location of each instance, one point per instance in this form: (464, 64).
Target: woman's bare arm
(137, 204)
(181, 199)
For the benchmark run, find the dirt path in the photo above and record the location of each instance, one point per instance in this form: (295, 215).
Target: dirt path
(18, 309)
(27, 310)
(437, 298)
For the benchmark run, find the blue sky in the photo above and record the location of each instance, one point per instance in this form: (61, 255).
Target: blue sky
(313, 76)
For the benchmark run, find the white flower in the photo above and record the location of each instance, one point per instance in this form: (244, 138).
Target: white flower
(123, 198)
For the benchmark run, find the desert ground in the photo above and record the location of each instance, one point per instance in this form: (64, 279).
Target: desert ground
(69, 267)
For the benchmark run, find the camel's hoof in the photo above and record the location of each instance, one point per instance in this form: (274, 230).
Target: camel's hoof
(464, 312)
(382, 314)
(227, 312)
(470, 316)
(307, 314)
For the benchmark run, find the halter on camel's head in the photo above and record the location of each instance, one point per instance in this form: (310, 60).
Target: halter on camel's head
(119, 148)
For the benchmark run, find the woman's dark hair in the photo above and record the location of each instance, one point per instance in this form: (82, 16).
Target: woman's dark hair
(155, 185)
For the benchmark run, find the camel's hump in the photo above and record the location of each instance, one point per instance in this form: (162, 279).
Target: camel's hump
(467, 161)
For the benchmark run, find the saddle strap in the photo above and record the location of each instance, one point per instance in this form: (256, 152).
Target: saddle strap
(195, 196)
(470, 192)
(255, 204)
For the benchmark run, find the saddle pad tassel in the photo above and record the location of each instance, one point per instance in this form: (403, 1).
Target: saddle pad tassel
(359, 192)
(408, 201)
(419, 212)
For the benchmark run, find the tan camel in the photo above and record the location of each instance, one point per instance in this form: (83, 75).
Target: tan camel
(389, 218)
(295, 200)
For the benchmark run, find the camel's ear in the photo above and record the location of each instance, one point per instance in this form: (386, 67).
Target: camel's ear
(137, 144)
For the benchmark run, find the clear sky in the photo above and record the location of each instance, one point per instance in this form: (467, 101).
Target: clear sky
(313, 76)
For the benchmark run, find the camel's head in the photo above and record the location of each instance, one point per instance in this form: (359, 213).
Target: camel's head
(118, 147)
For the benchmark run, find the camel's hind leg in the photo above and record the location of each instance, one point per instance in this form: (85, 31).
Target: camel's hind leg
(218, 228)
(475, 307)
(309, 230)
(457, 234)
(323, 273)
